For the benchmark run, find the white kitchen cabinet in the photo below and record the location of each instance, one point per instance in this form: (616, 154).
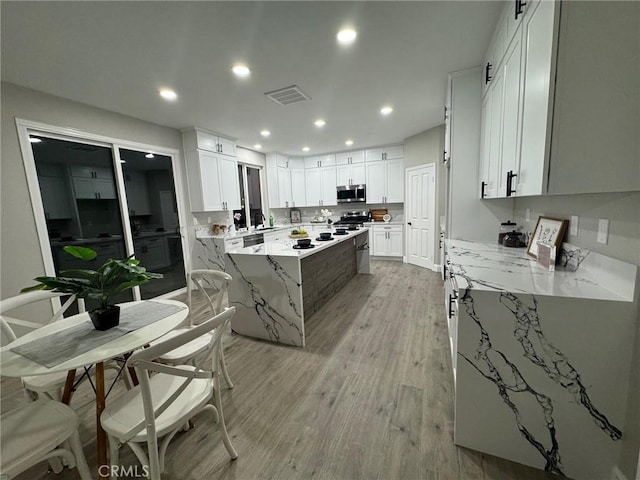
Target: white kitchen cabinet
(320, 161)
(351, 174)
(536, 100)
(298, 192)
(199, 139)
(385, 181)
(137, 193)
(390, 152)
(349, 158)
(387, 240)
(491, 147)
(93, 183)
(320, 185)
(213, 181)
(566, 100)
(153, 252)
(510, 141)
(284, 187)
(56, 198)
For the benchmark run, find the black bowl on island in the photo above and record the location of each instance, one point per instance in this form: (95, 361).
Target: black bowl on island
(325, 235)
(304, 242)
(341, 231)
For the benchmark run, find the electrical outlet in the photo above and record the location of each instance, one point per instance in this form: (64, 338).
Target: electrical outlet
(527, 214)
(208, 219)
(195, 221)
(603, 230)
(573, 225)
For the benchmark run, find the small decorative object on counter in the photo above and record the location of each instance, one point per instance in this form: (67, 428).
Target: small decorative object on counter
(295, 215)
(271, 219)
(513, 239)
(506, 227)
(298, 233)
(548, 230)
(546, 256)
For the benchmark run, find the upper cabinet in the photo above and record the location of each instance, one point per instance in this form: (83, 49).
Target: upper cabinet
(137, 193)
(560, 111)
(350, 168)
(385, 181)
(212, 171)
(54, 189)
(93, 182)
(213, 182)
(285, 179)
(196, 138)
(384, 153)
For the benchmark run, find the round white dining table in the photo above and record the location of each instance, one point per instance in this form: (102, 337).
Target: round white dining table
(15, 365)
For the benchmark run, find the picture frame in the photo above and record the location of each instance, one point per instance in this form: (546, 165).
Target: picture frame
(295, 215)
(548, 230)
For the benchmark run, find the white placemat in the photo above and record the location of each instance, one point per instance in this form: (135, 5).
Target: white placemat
(66, 344)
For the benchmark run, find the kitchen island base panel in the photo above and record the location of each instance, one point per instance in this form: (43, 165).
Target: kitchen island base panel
(324, 274)
(539, 388)
(275, 287)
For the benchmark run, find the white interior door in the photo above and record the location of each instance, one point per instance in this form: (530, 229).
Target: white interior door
(421, 212)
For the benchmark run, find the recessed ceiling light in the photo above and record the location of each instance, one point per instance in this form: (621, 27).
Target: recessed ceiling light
(386, 110)
(265, 133)
(149, 155)
(35, 139)
(241, 70)
(320, 123)
(168, 94)
(349, 142)
(257, 146)
(305, 149)
(346, 36)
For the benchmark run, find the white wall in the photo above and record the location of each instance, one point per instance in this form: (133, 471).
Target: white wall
(20, 255)
(622, 210)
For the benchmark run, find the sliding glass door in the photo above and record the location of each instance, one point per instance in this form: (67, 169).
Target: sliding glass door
(81, 202)
(89, 189)
(153, 217)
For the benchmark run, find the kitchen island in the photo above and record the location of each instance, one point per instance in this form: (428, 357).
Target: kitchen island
(276, 287)
(541, 360)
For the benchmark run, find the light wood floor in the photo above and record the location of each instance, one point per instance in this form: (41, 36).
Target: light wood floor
(370, 397)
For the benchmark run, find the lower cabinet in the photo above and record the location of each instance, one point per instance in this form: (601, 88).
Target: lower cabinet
(152, 253)
(104, 251)
(386, 240)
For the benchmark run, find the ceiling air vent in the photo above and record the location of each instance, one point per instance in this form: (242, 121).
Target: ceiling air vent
(288, 95)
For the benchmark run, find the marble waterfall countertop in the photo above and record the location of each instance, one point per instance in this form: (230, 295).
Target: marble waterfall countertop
(492, 267)
(284, 248)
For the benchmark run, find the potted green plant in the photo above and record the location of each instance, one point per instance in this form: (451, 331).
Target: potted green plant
(103, 284)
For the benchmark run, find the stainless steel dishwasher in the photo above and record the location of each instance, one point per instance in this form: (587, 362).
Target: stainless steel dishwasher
(255, 239)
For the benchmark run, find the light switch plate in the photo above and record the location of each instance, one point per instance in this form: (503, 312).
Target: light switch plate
(195, 221)
(573, 226)
(603, 230)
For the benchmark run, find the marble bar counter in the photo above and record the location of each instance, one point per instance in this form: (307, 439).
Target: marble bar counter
(541, 360)
(275, 287)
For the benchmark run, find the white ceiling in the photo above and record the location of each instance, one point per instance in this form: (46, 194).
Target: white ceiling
(117, 55)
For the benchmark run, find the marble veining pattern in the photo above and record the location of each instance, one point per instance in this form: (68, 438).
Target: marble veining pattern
(494, 267)
(208, 254)
(257, 292)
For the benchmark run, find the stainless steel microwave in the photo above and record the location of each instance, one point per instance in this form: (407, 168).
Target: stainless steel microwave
(352, 193)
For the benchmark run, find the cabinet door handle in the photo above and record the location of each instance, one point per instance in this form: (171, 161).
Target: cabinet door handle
(445, 113)
(451, 299)
(519, 10)
(487, 74)
(483, 185)
(444, 271)
(510, 176)
(444, 156)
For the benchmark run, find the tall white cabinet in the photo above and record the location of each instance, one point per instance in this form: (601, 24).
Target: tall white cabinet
(560, 113)
(212, 171)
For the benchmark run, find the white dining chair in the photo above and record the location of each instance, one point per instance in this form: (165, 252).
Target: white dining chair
(35, 386)
(162, 403)
(212, 285)
(34, 432)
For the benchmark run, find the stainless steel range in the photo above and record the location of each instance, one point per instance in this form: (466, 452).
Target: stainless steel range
(356, 218)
